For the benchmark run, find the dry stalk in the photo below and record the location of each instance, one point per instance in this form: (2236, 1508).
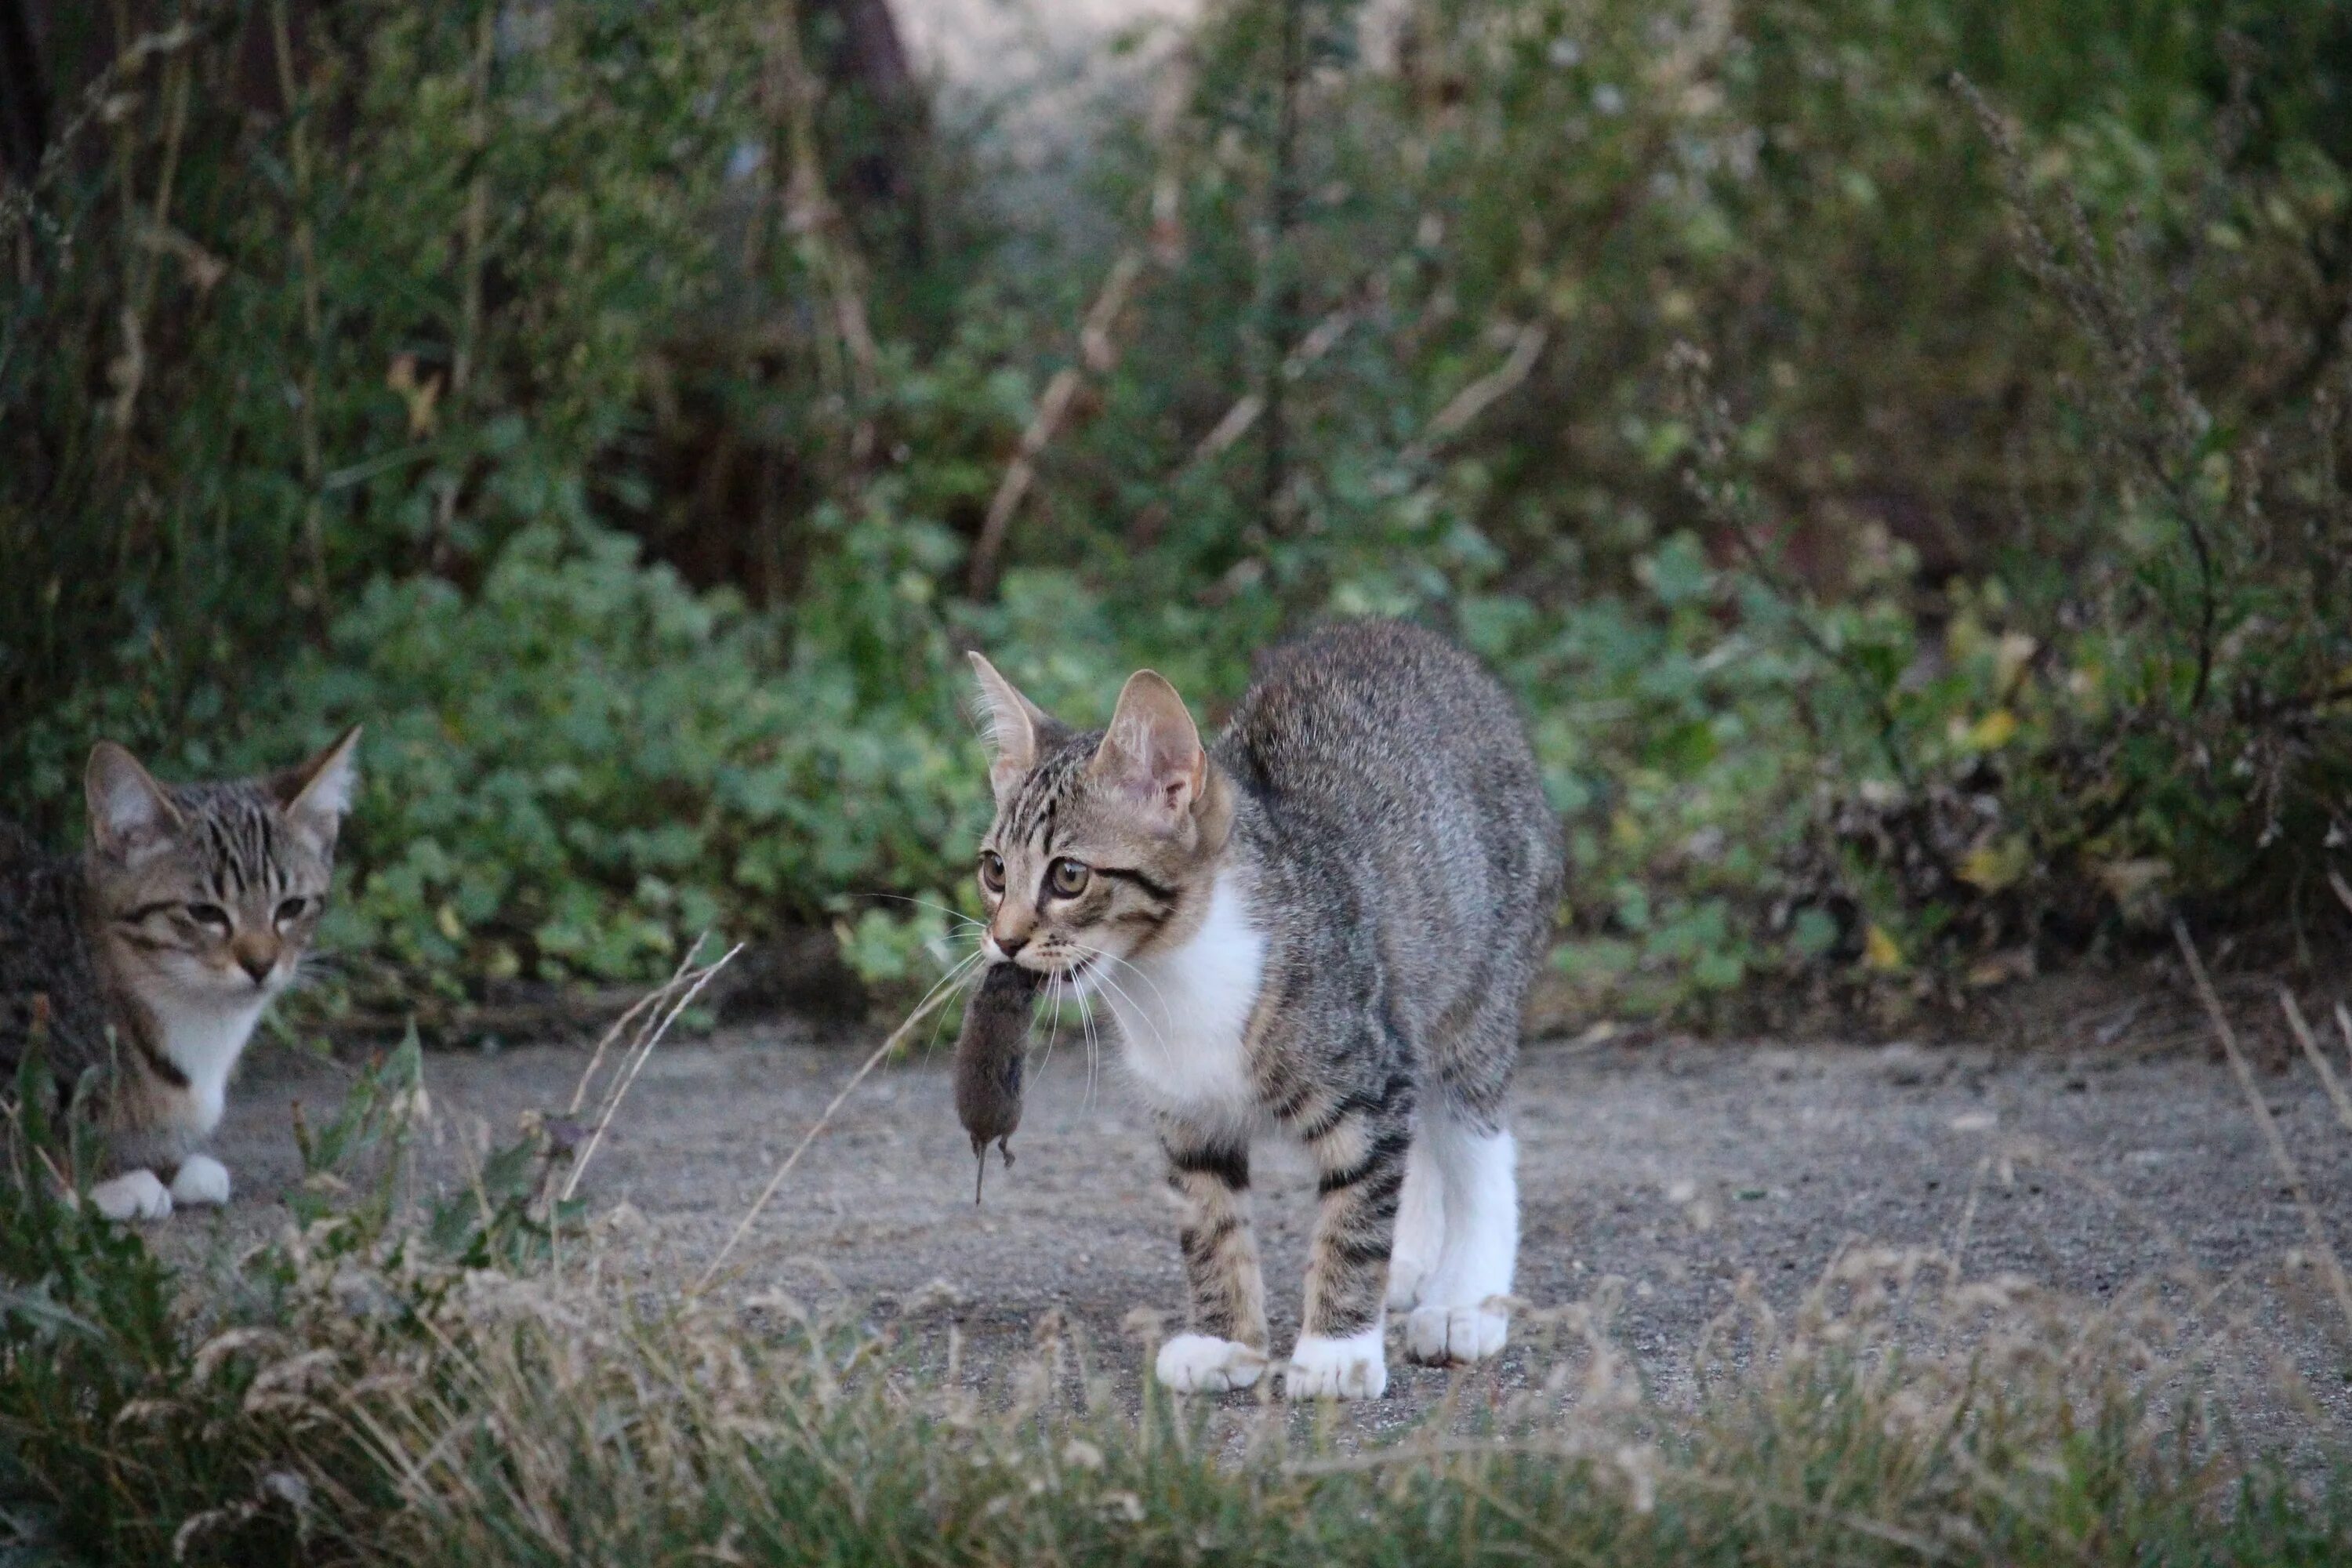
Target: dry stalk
(948, 987)
(683, 988)
(1279, 282)
(2141, 343)
(2321, 1248)
(2310, 1044)
(597, 1057)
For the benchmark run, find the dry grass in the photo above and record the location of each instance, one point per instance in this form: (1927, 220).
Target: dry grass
(484, 1382)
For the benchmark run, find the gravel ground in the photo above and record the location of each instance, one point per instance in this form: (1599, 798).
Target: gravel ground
(1665, 1170)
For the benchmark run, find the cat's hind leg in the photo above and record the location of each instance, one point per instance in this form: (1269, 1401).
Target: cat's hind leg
(1420, 1226)
(1462, 1313)
(200, 1179)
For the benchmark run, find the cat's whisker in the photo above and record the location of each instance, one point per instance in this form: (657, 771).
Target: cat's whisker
(1094, 1046)
(958, 977)
(939, 1022)
(957, 915)
(1142, 1014)
(1167, 1052)
(1054, 1029)
(1110, 958)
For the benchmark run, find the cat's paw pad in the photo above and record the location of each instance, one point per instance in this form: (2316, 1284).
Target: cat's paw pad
(1454, 1336)
(1406, 1277)
(1204, 1363)
(200, 1180)
(134, 1195)
(1322, 1368)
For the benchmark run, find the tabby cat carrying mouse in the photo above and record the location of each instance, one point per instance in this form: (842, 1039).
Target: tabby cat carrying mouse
(1325, 921)
(152, 954)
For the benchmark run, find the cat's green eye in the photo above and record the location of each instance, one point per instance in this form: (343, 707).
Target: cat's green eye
(292, 909)
(210, 915)
(1066, 878)
(991, 871)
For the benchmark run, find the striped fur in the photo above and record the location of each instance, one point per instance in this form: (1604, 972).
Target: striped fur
(1326, 921)
(146, 962)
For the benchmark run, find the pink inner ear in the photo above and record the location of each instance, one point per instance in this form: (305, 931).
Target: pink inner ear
(1152, 754)
(1159, 775)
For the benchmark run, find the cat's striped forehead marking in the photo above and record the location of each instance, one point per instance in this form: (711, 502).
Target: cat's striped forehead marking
(1030, 812)
(242, 841)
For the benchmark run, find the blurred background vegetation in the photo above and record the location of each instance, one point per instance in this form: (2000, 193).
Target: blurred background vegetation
(1892, 448)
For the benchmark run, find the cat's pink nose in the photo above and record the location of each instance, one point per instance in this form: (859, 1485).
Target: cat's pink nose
(257, 959)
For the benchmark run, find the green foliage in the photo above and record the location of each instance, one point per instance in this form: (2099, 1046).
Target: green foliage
(521, 386)
(583, 757)
(332, 351)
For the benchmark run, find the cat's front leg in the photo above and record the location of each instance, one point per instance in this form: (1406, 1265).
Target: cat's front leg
(1360, 1154)
(134, 1195)
(1226, 1349)
(200, 1179)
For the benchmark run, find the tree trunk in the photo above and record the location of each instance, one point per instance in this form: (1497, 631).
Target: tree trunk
(24, 95)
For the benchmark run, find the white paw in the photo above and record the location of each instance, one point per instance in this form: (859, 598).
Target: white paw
(134, 1195)
(200, 1180)
(1204, 1363)
(1454, 1336)
(1406, 1276)
(1349, 1368)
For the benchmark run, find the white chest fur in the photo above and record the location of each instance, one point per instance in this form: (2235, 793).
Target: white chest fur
(204, 1042)
(1183, 1015)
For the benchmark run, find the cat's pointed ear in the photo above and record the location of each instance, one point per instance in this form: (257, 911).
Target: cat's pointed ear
(318, 795)
(1152, 754)
(127, 809)
(1016, 727)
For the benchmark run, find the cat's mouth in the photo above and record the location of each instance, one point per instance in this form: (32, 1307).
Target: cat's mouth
(1048, 965)
(1071, 972)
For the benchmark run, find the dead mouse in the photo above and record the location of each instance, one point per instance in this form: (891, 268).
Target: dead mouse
(988, 1059)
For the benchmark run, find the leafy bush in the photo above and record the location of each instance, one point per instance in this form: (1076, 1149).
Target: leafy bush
(1983, 596)
(583, 757)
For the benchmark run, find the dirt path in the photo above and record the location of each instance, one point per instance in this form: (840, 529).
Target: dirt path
(1674, 1168)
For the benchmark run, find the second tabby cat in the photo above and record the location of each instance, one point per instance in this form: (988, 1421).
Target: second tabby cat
(147, 960)
(1326, 921)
